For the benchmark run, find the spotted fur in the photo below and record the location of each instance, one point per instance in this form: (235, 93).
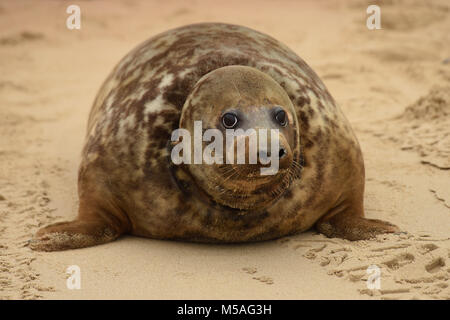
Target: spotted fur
(125, 168)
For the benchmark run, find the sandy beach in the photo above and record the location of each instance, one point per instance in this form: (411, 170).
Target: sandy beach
(393, 84)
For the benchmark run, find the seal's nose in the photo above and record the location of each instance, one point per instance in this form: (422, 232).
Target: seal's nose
(284, 156)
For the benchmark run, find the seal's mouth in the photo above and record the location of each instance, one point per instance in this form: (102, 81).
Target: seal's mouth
(248, 171)
(245, 188)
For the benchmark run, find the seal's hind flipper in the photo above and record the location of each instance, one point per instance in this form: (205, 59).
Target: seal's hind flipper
(353, 227)
(74, 234)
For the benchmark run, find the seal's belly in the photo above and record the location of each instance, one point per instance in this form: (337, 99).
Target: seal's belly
(205, 226)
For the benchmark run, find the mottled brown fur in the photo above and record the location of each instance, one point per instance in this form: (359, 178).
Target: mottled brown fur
(127, 183)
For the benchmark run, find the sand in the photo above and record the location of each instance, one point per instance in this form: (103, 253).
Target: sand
(393, 85)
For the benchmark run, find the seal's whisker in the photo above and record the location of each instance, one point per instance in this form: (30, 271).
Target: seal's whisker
(234, 172)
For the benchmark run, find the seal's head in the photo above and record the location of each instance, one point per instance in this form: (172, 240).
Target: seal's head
(249, 158)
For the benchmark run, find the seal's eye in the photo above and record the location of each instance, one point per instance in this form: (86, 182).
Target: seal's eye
(281, 118)
(229, 120)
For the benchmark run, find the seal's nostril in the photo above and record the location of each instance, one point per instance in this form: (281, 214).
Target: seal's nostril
(282, 153)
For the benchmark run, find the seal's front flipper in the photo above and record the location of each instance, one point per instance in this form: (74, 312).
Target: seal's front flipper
(351, 227)
(74, 234)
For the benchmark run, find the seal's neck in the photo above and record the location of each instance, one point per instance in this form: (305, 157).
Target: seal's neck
(235, 194)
